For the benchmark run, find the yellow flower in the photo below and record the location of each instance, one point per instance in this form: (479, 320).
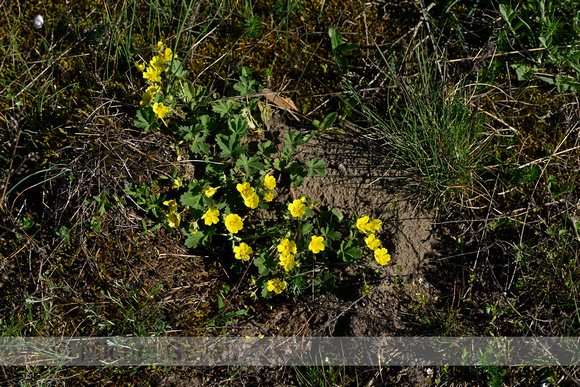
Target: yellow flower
(368, 228)
(245, 189)
(173, 218)
(177, 182)
(297, 208)
(166, 55)
(374, 226)
(252, 201)
(160, 110)
(160, 46)
(276, 286)
(382, 257)
(286, 246)
(243, 251)
(172, 204)
(316, 244)
(140, 66)
(287, 261)
(270, 182)
(361, 223)
(149, 95)
(209, 191)
(152, 74)
(211, 217)
(372, 243)
(268, 196)
(233, 223)
(157, 64)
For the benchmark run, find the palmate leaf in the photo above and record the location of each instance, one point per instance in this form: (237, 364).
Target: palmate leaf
(265, 264)
(145, 119)
(316, 167)
(187, 92)
(239, 126)
(250, 165)
(225, 108)
(177, 69)
(231, 147)
(193, 200)
(193, 240)
(198, 145)
(348, 252)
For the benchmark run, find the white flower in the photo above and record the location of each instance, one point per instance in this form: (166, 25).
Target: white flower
(429, 371)
(37, 22)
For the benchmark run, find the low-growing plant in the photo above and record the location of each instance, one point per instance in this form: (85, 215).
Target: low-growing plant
(232, 202)
(549, 32)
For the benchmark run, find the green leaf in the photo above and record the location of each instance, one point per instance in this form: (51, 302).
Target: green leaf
(193, 240)
(293, 139)
(187, 92)
(206, 124)
(348, 252)
(265, 264)
(226, 150)
(250, 165)
(325, 284)
(336, 212)
(346, 48)
(335, 37)
(306, 228)
(267, 149)
(265, 293)
(198, 145)
(316, 167)
(145, 119)
(246, 85)
(354, 252)
(177, 69)
(286, 153)
(225, 108)
(191, 200)
(238, 126)
(278, 164)
(333, 236)
(329, 120)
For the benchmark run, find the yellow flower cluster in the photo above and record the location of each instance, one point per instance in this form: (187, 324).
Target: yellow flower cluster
(152, 73)
(249, 195)
(287, 249)
(173, 218)
(270, 184)
(158, 64)
(369, 227)
(149, 95)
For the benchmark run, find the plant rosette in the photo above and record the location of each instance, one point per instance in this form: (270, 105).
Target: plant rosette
(235, 183)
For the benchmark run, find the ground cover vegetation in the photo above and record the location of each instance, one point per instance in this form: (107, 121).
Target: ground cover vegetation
(143, 193)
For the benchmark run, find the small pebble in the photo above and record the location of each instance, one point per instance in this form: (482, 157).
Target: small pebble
(37, 22)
